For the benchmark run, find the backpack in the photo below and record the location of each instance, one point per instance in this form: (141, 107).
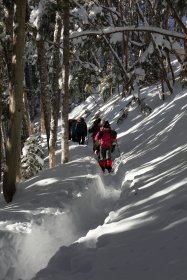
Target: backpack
(107, 137)
(113, 134)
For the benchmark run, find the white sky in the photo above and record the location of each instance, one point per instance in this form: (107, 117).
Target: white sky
(73, 223)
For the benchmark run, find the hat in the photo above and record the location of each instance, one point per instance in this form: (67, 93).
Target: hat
(106, 124)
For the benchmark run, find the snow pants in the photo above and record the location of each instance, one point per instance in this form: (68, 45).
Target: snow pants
(105, 159)
(81, 138)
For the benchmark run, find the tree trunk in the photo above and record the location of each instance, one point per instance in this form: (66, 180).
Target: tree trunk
(9, 41)
(44, 88)
(55, 93)
(16, 99)
(65, 97)
(32, 86)
(170, 66)
(27, 131)
(1, 82)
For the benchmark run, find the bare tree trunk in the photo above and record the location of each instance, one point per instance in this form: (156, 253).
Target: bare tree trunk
(65, 97)
(1, 147)
(1, 82)
(42, 119)
(16, 99)
(56, 92)
(27, 131)
(9, 42)
(0, 119)
(31, 84)
(44, 87)
(3, 143)
(170, 66)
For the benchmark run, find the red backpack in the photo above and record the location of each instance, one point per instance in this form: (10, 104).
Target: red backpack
(106, 138)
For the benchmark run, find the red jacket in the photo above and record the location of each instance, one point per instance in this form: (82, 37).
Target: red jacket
(106, 138)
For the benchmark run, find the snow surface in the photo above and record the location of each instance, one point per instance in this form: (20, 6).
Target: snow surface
(73, 223)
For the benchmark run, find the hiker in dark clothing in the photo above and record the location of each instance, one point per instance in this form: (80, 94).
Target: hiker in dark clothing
(81, 131)
(72, 130)
(72, 123)
(106, 139)
(94, 130)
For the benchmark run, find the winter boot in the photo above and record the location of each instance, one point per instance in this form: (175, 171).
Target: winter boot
(109, 165)
(102, 165)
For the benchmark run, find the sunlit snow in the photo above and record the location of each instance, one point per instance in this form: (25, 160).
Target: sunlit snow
(73, 223)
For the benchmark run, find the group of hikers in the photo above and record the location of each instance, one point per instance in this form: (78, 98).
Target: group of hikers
(103, 137)
(78, 130)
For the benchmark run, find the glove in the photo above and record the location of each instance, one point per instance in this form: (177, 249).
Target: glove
(97, 144)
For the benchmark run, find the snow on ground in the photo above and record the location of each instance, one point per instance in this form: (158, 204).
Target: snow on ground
(73, 223)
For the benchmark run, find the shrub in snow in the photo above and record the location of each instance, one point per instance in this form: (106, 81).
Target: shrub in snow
(31, 159)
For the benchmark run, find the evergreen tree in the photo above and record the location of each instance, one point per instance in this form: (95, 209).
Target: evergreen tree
(32, 158)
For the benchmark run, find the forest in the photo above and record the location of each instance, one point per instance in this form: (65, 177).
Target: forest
(56, 53)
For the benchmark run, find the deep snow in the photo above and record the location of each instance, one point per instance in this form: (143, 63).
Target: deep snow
(73, 223)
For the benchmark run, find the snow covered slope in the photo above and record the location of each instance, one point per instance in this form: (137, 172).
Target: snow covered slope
(73, 223)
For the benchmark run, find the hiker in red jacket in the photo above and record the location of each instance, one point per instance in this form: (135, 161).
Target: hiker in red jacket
(106, 139)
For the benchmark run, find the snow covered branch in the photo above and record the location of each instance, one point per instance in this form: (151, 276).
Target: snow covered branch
(111, 30)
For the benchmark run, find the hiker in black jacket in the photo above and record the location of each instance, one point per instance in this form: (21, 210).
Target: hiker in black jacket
(81, 130)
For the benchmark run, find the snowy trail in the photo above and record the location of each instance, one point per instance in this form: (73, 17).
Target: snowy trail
(87, 198)
(144, 229)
